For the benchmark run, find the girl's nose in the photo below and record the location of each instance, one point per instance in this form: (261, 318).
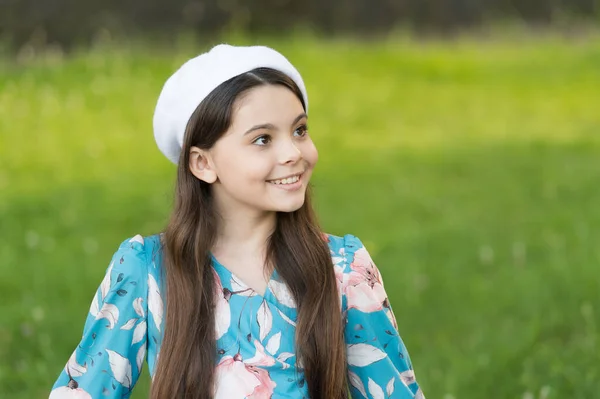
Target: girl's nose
(290, 153)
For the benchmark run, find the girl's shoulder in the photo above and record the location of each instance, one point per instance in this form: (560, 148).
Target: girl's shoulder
(138, 254)
(344, 247)
(141, 243)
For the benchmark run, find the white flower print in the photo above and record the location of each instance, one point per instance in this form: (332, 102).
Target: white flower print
(357, 383)
(139, 333)
(223, 312)
(73, 368)
(390, 386)
(362, 355)
(264, 318)
(282, 293)
(283, 357)
(95, 306)
(120, 367)
(109, 312)
(273, 344)
(105, 285)
(260, 358)
(139, 359)
(129, 325)
(375, 390)
(138, 238)
(137, 306)
(287, 319)
(155, 302)
(240, 288)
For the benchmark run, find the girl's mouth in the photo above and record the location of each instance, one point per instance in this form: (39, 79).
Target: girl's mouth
(290, 183)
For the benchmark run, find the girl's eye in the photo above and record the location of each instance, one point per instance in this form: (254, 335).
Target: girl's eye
(301, 131)
(262, 140)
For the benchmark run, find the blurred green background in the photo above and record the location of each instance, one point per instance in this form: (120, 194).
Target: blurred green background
(469, 167)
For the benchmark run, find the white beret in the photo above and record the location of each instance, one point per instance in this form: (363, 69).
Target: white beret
(198, 77)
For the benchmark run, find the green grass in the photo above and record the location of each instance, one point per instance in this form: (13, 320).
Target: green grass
(470, 169)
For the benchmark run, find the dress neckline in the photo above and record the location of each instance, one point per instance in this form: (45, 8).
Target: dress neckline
(242, 285)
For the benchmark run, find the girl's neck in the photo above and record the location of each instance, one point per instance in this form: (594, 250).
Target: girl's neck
(242, 233)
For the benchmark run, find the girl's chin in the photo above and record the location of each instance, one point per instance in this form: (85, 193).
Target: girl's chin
(290, 205)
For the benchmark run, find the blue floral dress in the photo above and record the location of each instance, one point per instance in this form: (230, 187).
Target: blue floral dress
(255, 333)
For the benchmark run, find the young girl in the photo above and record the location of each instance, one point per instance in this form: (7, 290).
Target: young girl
(242, 295)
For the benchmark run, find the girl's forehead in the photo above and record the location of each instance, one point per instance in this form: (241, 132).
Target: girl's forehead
(267, 104)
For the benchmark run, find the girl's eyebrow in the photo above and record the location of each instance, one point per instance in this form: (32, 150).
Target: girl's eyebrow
(266, 126)
(270, 126)
(302, 115)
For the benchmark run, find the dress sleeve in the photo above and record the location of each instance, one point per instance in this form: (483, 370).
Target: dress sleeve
(378, 363)
(108, 360)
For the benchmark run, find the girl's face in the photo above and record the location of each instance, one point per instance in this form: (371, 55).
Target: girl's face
(265, 160)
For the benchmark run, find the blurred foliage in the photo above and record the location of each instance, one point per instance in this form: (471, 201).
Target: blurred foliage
(470, 170)
(77, 22)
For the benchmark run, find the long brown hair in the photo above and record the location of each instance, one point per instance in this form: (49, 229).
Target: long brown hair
(187, 360)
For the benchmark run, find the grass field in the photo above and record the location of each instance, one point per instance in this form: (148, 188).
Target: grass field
(470, 169)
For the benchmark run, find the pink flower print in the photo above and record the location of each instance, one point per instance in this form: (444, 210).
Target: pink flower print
(236, 378)
(364, 290)
(72, 391)
(233, 379)
(266, 387)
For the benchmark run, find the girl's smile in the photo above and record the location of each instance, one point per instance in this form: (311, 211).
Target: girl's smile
(290, 183)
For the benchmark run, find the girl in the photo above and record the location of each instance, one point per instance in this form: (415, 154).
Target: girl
(242, 295)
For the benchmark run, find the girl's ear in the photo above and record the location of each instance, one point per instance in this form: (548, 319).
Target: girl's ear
(201, 166)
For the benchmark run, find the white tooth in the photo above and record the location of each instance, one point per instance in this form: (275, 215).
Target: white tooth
(288, 180)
